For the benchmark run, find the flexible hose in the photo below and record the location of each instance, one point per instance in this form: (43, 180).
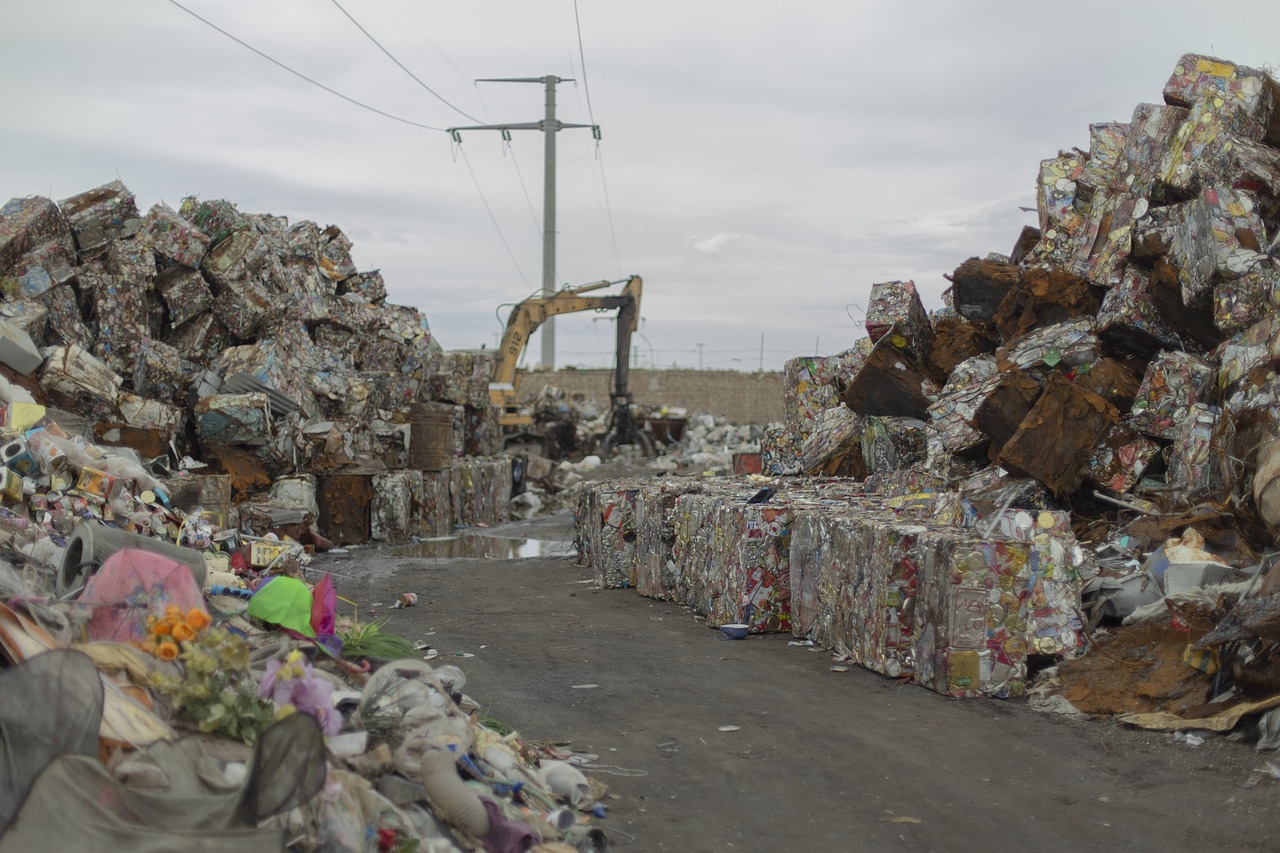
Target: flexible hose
(453, 800)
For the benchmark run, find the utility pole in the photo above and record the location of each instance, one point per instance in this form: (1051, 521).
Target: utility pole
(549, 126)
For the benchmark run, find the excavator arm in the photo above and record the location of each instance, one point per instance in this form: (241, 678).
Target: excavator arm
(527, 316)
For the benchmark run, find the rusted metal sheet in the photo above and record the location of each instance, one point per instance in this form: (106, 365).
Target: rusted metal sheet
(345, 500)
(149, 443)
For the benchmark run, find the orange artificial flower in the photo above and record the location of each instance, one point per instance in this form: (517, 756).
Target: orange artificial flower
(197, 619)
(164, 627)
(167, 651)
(173, 610)
(183, 632)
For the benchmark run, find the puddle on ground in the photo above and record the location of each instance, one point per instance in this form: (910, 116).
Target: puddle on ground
(488, 547)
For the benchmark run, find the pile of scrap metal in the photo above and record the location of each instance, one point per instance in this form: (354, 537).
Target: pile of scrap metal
(210, 341)
(1120, 364)
(149, 715)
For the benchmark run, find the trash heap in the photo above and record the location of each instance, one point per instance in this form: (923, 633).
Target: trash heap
(209, 359)
(264, 724)
(1104, 392)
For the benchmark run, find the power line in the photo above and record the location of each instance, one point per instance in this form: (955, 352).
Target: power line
(508, 147)
(433, 45)
(582, 60)
(492, 218)
(586, 88)
(401, 65)
(299, 74)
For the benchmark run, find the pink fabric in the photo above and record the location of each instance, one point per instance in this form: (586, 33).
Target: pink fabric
(132, 585)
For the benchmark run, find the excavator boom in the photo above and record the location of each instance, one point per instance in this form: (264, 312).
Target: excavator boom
(527, 316)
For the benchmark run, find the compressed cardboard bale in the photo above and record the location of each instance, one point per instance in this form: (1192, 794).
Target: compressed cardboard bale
(1121, 458)
(956, 339)
(282, 362)
(1107, 143)
(1250, 354)
(834, 447)
(1073, 343)
(1055, 439)
(233, 419)
(480, 491)
(606, 531)
(779, 451)
(370, 286)
(100, 215)
(140, 412)
(121, 326)
(978, 287)
(461, 378)
(432, 516)
(244, 306)
(26, 224)
(1154, 233)
(1220, 239)
(1173, 383)
(174, 238)
(807, 390)
(236, 258)
(1005, 407)
(84, 384)
(1151, 132)
(1129, 320)
(951, 418)
(1193, 159)
(895, 310)
(1196, 462)
(333, 254)
(161, 373)
(1044, 297)
(185, 294)
(217, 219)
(655, 509)
(1240, 303)
(201, 339)
(396, 496)
(889, 383)
(1254, 92)
(1110, 380)
(1107, 240)
(893, 443)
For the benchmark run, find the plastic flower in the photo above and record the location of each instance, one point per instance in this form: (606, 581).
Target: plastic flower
(292, 683)
(197, 619)
(167, 651)
(183, 632)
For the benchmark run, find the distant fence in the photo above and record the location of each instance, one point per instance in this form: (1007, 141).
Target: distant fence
(741, 398)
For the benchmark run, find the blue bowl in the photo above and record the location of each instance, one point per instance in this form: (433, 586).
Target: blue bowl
(735, 632)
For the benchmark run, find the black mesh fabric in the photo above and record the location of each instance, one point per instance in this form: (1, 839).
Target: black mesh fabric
(49, 706)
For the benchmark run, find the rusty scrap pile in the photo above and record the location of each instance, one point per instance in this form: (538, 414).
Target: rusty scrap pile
(205, 339)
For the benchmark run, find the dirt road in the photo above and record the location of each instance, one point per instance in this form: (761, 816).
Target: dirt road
(817, 760)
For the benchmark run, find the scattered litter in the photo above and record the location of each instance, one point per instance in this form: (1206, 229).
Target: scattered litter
(584, 686)
(730, 728)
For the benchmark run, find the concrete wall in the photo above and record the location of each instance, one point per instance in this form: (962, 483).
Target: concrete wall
(741, 398)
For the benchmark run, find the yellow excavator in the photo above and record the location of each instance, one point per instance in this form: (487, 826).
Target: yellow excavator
(528, 315)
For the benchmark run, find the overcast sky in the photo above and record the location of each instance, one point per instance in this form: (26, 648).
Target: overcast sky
(762, 164)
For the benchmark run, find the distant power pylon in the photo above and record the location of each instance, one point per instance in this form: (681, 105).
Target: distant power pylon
(549, 126)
